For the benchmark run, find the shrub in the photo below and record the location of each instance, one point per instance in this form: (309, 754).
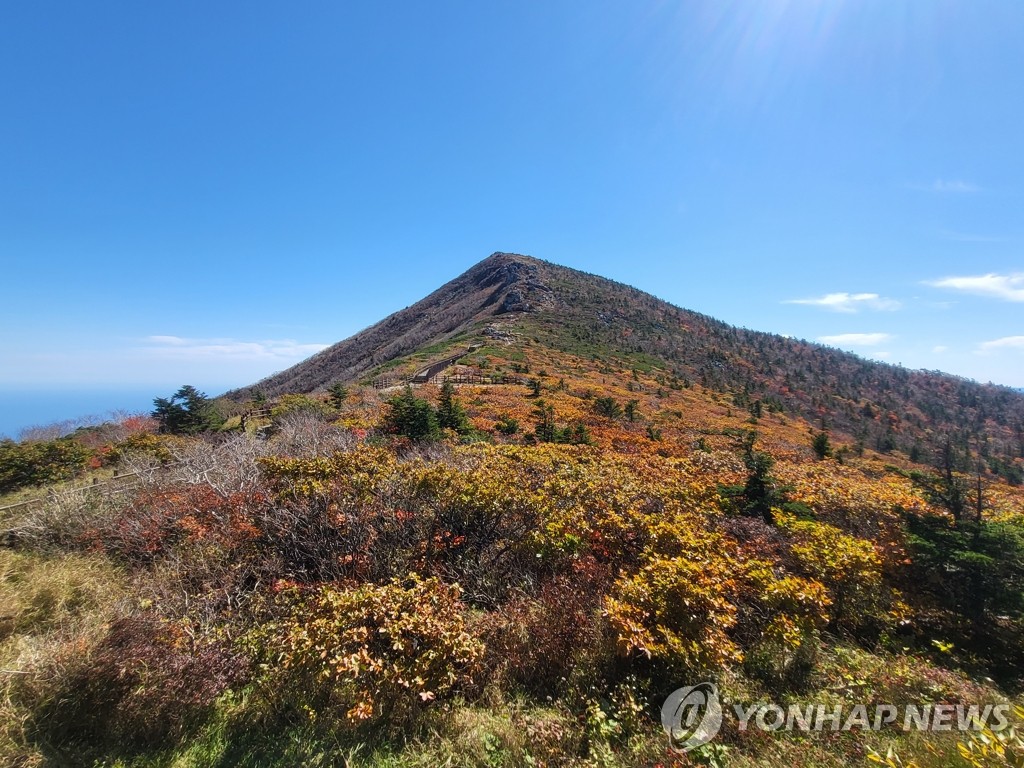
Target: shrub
(52, 461)
(379, 653)
(677, 611)
(143, 443)
(156, 522)
(506, 425)
(539, 643)
(289, 404)
(147, 683)
(848, 567)
(781, 625)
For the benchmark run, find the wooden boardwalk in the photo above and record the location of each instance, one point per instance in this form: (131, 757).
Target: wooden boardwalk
(387, 382)
(431, 373)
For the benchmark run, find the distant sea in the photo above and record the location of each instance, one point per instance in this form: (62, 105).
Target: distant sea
(22, 409)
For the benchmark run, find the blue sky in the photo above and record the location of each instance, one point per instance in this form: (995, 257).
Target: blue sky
(206, 193)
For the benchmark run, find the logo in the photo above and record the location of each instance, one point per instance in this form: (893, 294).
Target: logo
(691, 716)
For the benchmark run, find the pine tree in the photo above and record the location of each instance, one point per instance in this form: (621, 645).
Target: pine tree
(608, 407)
(187, 412)
(338, 394)
(544, 417)
(822, 446)
(411, 416)
(632, 411)
(450, 413)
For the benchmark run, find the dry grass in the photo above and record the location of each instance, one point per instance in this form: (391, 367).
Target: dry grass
(48, 607)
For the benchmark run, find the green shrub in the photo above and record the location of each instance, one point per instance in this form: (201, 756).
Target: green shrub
(287, 404)
(51, 461)
(506, 425)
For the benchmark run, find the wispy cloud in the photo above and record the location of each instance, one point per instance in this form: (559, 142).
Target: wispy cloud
(948, 186)
(856, 339)
(174, 341)
(967, 237)
(1005, 287)
(849, 302)
(178, 347)
(1007, 342)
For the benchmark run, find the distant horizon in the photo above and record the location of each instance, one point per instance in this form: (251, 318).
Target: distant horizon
(23, 409)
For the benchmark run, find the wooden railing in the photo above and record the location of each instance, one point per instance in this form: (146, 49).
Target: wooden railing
(115, 484)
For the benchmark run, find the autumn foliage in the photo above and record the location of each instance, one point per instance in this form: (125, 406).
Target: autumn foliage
(366, 567)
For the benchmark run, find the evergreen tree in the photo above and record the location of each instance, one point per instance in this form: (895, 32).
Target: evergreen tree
(608, 407)
(411, 416)
(450, 413)
(821, 445)
(578, 434)
(544, 418)
(338, 393)
(761, 492)
(631, 410)
(187, 412)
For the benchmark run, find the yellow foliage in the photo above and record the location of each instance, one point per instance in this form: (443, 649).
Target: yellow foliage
(677, 611)
(848, 567)
(378, 650)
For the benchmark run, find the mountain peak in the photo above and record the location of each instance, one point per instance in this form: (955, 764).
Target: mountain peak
(510, 300)
(501, 284)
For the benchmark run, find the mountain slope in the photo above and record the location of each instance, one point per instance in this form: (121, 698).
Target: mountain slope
(500, 284)
(526, 301)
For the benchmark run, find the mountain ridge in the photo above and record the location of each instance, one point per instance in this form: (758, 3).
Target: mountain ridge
(522, 300)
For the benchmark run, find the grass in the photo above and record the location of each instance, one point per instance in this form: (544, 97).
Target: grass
(46, 605)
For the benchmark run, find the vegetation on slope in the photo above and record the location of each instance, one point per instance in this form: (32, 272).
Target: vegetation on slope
(432, 575)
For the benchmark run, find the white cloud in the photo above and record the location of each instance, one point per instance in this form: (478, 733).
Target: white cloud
(1005, 287)
(174, 340)
(940, 349)
(856, 339)
(966, 237)
(849, 302)
(956, 186)
(1007, 342)
(179, 348)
